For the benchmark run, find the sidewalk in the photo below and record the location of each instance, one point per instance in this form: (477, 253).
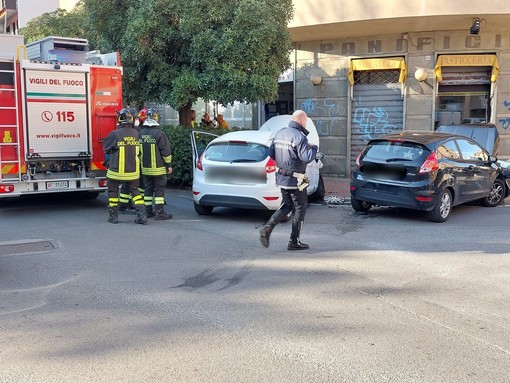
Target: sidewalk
(337, 187)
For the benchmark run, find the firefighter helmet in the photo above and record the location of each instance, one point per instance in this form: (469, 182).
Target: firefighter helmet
(153, 114)
(125, 117)
(134, 112)
(142, 115)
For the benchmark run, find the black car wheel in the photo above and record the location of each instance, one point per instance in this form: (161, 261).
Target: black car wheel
(361, 206)
(203, 210)
(443, 207)
(496, 195)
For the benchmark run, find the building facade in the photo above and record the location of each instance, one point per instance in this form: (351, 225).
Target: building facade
(366, 68)
(8, 16)
(15, 14)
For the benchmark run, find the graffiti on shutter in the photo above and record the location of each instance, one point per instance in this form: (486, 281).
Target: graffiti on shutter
(376, 110)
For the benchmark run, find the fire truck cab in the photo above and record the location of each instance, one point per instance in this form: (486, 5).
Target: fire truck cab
(58, 102)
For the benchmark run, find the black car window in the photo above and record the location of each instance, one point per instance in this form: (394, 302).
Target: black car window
(394, 151)
(236, 152)
(449, 150)
(471, 151)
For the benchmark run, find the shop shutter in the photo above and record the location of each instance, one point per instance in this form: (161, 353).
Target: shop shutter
(377, 107)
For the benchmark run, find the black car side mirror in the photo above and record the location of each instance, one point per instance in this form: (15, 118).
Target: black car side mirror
(492, 158)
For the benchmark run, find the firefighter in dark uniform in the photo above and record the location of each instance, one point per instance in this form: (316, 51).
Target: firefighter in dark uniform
(139, 121)
(126, 205)
(122, 148)
(292, 152)
(156, 158)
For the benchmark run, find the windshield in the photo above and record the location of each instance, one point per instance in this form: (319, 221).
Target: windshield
(236, 152)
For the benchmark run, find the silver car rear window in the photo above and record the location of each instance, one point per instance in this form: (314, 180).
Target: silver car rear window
(236, 152)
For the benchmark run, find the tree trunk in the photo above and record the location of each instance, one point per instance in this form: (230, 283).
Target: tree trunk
(185, 115)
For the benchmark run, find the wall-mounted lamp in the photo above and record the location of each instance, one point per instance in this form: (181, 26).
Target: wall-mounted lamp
(421, 74)
(315, 79)
(475, 27)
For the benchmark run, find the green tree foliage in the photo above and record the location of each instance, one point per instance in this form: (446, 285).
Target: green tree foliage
(175, 51)
(57, 23)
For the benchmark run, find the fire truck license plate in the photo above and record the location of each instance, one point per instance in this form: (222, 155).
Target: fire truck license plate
(57, 185)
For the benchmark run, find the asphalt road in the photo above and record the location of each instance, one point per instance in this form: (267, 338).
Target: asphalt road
(380, 297)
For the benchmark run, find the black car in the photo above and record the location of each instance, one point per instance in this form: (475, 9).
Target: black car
(428, 171)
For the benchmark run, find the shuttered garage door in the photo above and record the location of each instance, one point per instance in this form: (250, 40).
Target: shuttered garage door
(377, 107)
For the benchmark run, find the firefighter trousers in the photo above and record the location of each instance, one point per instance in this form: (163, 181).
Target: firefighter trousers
(154, 190)
(125, 194)
(114, 189)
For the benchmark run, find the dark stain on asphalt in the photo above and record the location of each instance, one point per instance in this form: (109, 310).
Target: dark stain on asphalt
(236, 279)
(208, 277)
(205, 278)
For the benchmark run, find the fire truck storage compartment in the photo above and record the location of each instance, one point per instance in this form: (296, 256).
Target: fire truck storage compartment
(56, 116)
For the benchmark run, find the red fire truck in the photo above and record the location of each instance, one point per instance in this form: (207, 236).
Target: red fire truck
(54, 115)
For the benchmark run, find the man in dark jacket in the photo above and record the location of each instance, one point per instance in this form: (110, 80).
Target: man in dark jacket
(156, 159)
(122, 147)
(292, 152)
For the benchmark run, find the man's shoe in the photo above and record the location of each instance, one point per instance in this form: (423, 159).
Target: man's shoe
(297, 246)
(265, 232)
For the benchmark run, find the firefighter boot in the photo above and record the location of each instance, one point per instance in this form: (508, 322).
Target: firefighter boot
(141, 215)
(295, 243)
(113, 214)
(125, 208)
(149, 211)
(161, 215)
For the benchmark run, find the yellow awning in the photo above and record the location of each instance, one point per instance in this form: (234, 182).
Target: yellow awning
(375, 64)
(467, 60)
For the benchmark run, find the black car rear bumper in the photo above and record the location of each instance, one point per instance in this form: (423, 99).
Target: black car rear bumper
(411, 196)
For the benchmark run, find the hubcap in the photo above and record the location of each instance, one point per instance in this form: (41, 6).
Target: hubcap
(444, 208)
(495, 194)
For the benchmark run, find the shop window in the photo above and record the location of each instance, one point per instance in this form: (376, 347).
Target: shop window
(463, 96)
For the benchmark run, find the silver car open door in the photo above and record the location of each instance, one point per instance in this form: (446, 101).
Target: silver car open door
(199, 141)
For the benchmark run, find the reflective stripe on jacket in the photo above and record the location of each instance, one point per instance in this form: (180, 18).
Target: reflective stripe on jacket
(291, 151)
(123, 147)
(156, 151)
